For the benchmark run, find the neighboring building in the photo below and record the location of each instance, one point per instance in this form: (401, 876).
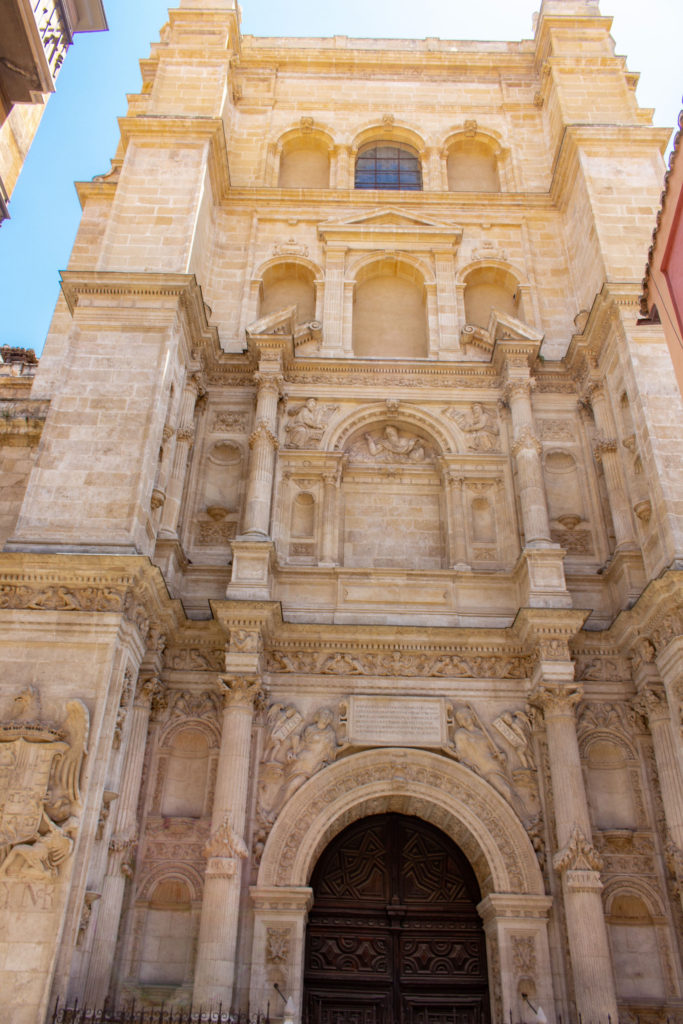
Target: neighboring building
(340, 598)
(662, 298)
(34, 38)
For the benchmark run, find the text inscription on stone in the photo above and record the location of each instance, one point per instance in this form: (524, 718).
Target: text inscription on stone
(397, 721)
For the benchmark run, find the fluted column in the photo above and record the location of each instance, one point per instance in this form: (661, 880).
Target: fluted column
(577, 862)
(331, 481)
(456, 520)
(263, 444)
(121, 844)
(183, 444)
(226, 849)
(526, 450)
(605, 449)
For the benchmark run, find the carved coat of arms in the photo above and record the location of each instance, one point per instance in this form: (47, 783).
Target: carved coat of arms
(40, 768)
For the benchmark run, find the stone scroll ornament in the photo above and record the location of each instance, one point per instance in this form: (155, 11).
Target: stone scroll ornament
(40, 802)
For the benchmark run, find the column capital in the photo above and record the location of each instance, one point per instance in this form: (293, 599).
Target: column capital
(651, 704)
(269, 380)
(240, 691)
(150, 692)
(556, 698)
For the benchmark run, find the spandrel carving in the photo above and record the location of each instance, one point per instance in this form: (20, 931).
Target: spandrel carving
(479, 427)
(294, 750)
(40, 767)
(390, 445)
(307, 423)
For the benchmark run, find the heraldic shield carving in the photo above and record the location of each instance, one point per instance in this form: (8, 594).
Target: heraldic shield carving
(40, 767)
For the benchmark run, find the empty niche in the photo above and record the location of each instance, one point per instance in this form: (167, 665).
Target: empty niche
(635, 950)
(186, 775)
(168, 935)
(488, 288)
(610, 789)
(304, 163)
(303, 515)
(288, 284)
(472, 166)
(389, 316)
(222, 476)
(483, 528)
(565, 503)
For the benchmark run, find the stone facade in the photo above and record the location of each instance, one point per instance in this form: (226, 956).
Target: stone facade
(327, 502)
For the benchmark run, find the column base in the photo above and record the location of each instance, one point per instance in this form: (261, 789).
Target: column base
(542, 583)
(252, 570)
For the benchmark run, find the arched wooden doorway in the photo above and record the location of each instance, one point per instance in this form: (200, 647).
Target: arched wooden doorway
(393, 936)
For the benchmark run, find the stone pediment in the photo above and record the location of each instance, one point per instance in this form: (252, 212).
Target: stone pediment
(503, 327)
(388, 221)
(281, 322)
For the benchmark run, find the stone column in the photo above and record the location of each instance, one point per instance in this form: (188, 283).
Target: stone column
(121, 844)
(343, 167)
(226, 849)
(456, 521)
(577, 862)
(446, 301)
(605, 451)
(263, 444)
(183, 445)
(329, 552)
(526, 450)
(333, 311)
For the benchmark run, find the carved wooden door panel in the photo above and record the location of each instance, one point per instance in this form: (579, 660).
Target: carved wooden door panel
(393, 935)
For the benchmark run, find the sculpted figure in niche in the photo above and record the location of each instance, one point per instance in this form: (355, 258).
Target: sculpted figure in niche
(392, 443)
(480, 427)
(307, 424)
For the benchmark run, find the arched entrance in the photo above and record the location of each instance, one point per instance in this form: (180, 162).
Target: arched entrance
(393, 934)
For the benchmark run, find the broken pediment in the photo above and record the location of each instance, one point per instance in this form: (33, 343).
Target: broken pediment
(501, 327)
(282, 321)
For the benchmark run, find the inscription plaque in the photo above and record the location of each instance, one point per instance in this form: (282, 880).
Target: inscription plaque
(397, 721)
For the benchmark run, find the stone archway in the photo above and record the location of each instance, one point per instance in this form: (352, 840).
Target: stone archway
(514, 906)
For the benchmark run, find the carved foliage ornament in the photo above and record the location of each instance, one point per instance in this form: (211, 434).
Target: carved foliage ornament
(224, 849)
(400, 663)
(40, 803)
(577, 855)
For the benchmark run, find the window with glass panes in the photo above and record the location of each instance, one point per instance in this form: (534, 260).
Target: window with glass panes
(388, 165)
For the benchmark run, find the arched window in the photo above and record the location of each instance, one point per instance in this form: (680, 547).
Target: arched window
(388, 165)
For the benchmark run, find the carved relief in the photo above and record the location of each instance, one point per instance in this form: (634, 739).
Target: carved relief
(86, 914)
(226, 421)
(388, 444)
(524, 954)
(195, 705)
(479, 427)
(224, 850)
(277, 945)
(40, 804)
(578, 854)
(400, 663)
(294, 751)
(306, 424)
(195, 658)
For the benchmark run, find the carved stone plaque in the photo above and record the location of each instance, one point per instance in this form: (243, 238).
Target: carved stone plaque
(397, 721)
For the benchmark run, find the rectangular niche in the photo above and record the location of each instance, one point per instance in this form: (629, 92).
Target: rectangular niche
(393, 524)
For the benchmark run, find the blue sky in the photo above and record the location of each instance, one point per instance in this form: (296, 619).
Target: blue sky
(79, 130)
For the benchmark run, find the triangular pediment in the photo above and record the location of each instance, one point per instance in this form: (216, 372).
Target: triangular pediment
(388, 219)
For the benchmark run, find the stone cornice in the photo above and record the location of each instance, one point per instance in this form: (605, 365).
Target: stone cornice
(138, 301)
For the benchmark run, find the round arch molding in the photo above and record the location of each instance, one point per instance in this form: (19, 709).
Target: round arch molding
(439, 791)
(415, 782)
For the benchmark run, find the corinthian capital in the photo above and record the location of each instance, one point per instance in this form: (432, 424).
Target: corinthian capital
(652, 704)
(242, 692)
(272, 382)
(556, 698)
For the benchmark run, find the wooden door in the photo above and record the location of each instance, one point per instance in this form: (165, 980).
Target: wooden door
(393, 935)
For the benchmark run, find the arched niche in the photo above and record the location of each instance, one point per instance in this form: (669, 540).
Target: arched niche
(636, 935)
(168, 934)
(222, 477)
(304, 161)
(609, 783)
(472, 165)
(288, 283)
(184, 773)
(491, 287)
(390, 311)
(303, 516)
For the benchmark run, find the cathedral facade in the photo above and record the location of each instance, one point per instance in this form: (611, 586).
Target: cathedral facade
(342, 537)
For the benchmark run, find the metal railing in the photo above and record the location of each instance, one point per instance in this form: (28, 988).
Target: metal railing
(133, 1013)
(54, 31)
